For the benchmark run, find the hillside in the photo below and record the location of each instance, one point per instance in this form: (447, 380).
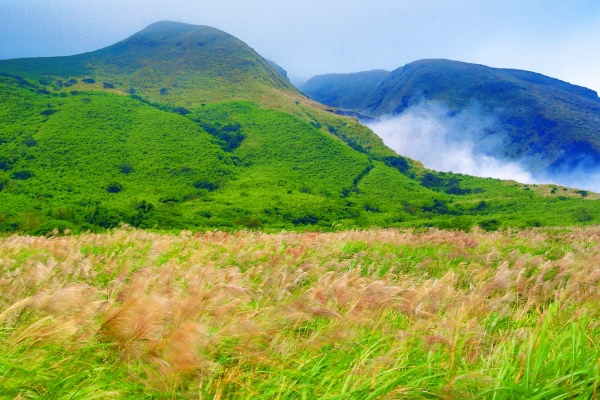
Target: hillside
(548, 124)
(91, 141)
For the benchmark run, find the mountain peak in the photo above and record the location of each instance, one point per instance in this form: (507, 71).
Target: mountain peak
(168, 62)
(171, 34)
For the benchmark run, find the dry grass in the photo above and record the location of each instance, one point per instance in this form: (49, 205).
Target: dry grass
(381, 313)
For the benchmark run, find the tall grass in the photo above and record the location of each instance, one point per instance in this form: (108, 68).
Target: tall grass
(355, 314)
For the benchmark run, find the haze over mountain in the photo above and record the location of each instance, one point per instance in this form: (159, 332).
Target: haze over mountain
(183, 126)
(545, 127)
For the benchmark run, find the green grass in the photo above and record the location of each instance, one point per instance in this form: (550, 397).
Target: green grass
(100, 158)
(354, 314)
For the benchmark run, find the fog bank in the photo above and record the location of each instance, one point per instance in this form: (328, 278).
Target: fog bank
(470, 142)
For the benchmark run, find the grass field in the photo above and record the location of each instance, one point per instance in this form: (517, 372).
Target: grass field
(348, 315)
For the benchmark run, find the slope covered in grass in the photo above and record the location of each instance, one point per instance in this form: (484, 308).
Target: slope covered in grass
(361, 314)
(230, 144)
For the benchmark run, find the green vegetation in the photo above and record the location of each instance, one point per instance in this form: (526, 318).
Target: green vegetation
(92, 141)
(100, 159)
(356, 314)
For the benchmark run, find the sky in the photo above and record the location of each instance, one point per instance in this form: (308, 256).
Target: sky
(310, 37)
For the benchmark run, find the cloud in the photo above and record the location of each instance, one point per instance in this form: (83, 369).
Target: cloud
(465, 142)
(473, 142)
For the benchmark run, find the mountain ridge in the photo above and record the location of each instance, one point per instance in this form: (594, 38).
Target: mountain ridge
(543, 118)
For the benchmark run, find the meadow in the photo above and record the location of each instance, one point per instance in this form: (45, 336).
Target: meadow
(361, 314)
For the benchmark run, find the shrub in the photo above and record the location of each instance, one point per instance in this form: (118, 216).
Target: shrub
(3, 180)
(399, 163)
(582, 215)
(204, 184)
(103, 217)
(107, 85)
(89, 81)
(29, 141)
(430, 180)
(489, 224)
(126, 168)
(114, 187)
(248, 221)
(21, 175)
(308, 219)
(6, 163)
(181, 110)
(163, 91)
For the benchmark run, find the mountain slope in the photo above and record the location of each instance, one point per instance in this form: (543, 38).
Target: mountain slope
(545, 120)
(167, 61)
(347, 91)
(84, 155)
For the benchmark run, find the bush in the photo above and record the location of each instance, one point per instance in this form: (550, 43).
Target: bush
(6, 163)
(21, 175)
(107, 85)
(430, 180)
(308, 219)
(48, 112)
(89, 81)
(489, 224)
(51, 226)
(3, 180)
(114, 187)
(126, 168)
(164, 91)
(399, 163)
(248, 221)
(203, 184)
(181, 110)
(582, 215)
(104, 218)
(29, 141)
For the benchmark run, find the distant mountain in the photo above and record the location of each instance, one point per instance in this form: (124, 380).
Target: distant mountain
(279, 69)
(347, 91)
(186, 127)
(551, 122)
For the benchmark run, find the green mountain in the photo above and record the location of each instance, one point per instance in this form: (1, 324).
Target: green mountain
(91, 141)
(552, 122)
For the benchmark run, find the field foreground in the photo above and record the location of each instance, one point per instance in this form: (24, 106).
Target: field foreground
(356, 314)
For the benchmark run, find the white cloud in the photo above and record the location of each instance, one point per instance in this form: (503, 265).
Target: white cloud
(464, 143)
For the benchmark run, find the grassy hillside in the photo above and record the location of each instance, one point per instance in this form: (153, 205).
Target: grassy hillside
(81, 155)
(359, 314)
(91, 160)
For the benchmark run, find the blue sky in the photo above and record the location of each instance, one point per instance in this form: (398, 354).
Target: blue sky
(309, 37)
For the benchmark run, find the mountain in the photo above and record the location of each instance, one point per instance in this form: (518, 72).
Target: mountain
(547, 122)
(186, 127)
(347, 91)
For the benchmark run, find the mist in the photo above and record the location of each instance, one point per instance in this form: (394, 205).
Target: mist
(463, 142)
(471, 142)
